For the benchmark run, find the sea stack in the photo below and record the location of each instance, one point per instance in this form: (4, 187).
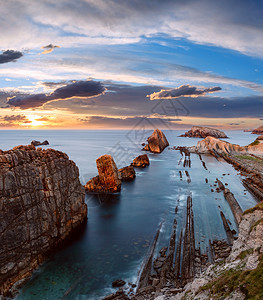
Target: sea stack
(203, 132)
(109, 178)
(127, 173)
(42, 203)
(141, 161)
(157, 142)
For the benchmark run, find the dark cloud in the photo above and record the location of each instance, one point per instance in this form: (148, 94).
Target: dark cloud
(182, 91)
(49, 48)
(10, 55)
(77, 89)
(131, 122)
(126, 100)
(13, 120)
(53, 85)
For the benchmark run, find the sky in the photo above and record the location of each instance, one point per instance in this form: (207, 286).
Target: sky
(121, 64)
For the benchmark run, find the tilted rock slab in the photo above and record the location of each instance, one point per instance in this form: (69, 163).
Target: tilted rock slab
(109, 178)
(41, 204)
(157, 142)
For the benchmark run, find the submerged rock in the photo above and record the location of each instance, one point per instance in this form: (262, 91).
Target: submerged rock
(38, 143)
(41, 204)
(108, 180)
(203, 132)
(127, 173)
(141, 161)
(118, 283)
(157, 142)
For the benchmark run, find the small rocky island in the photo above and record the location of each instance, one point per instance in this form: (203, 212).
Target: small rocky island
(258, 130)
(42, 204)
(203, 132)
(157, 142)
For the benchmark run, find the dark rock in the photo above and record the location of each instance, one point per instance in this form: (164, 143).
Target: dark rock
(108, 179)
(42, 204)
(141, 161)
(127, 173)
(38, 143)
(118, 283)
(258, 130)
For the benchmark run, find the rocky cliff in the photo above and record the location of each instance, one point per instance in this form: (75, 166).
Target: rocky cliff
(203, 132)
(41, 204)
(157, 142)
(109, 178)
(258, 130)
(213, 145)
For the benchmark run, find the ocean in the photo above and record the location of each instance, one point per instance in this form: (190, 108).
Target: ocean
(121, 227)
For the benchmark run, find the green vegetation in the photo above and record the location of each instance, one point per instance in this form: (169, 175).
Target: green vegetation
(245, 253)
(249, 157)
(249, 282)
(259, 206)
(255, 224)
(254, 143)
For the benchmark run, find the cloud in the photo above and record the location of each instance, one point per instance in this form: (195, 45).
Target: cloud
(13, 120)
(77, 89)
(49, 48)
(182, 91)
(10, 55)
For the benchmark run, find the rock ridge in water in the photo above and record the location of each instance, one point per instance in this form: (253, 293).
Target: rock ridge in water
(109, 178)
(41, 204)
(203, 132)
(157, 142)
(258, 130)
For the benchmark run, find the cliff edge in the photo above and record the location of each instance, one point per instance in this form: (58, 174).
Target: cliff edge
(41, 204)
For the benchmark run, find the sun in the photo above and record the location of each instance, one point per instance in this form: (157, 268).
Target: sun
(35, 120)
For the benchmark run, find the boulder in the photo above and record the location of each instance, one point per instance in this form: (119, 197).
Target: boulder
(157, 142)
(203, 132)
(127, 173)
(118, 283)
(108, 180)
(42, 204)
(260, 138)
(258, 130)
(141, 161)
(38, 143)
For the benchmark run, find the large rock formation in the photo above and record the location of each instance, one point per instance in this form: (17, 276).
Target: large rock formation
(41, 204)
(108, 180)
(215, 146)
(141, 161)
(127, 173)
(157, 142)
(203, 132)
(258, 130)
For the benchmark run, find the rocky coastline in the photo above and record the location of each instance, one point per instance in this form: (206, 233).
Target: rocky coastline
(42, 205)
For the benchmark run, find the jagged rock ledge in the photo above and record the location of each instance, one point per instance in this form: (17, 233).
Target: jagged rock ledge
(258, 130)
(203, 132)
(41, 204)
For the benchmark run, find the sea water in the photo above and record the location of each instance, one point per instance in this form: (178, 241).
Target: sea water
(121, 227)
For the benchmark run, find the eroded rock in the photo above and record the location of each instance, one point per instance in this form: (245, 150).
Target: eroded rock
(127, 173)
(157, 142)
(203, 132)
(41, 204)
(108, 180)
(141, 161)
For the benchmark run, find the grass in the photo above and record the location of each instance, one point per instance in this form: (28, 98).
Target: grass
(254, 143)
(259, 206)
(249, 282)
(248, 157)
(245, 253)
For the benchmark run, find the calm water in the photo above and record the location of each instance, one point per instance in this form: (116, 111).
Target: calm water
(120, 230)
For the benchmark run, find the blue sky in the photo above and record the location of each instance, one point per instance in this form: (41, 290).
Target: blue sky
(130, 49)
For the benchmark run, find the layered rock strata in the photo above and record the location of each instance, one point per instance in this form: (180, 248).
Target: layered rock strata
(157, 142)
(109, 178)
(203, 132)
(41, 205)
